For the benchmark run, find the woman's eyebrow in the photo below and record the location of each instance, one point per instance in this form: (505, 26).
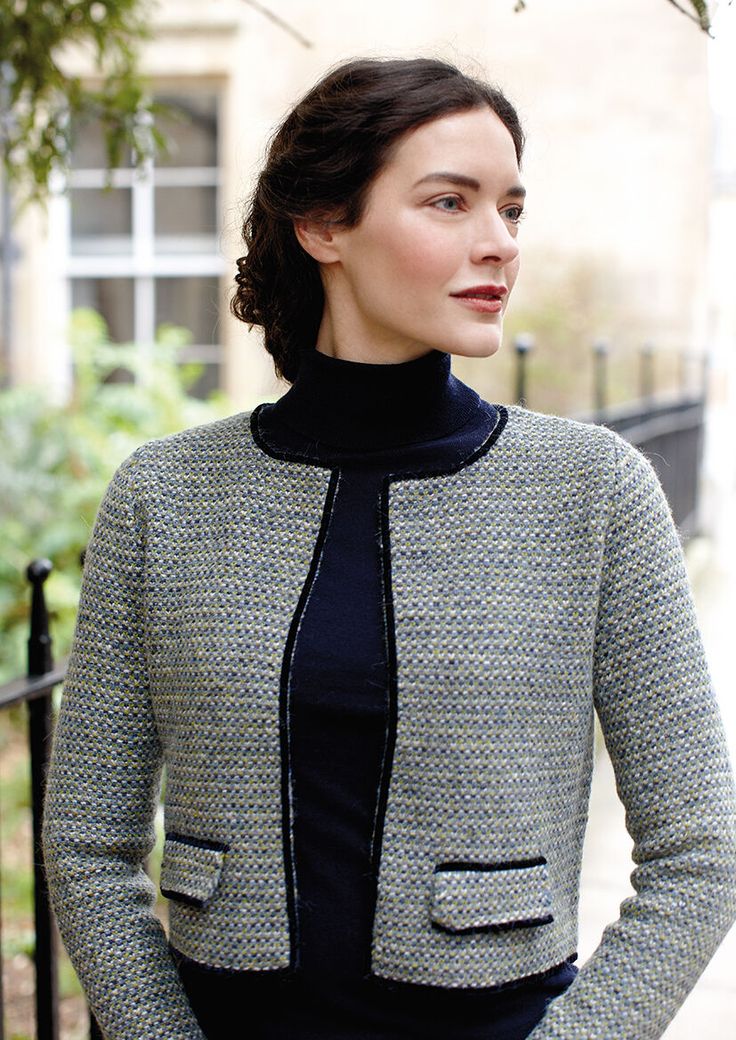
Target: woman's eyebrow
(461, 179)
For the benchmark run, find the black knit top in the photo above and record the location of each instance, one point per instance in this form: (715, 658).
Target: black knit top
(366, 420)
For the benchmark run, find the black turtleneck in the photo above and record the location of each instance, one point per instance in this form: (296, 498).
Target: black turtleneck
(355, 407)
(364, 421)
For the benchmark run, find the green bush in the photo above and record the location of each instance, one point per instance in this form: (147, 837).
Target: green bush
(57, 459)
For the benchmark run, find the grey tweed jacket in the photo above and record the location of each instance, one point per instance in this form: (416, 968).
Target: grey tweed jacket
(537, 583)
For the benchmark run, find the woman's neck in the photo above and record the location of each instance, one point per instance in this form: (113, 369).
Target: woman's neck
(339, 336)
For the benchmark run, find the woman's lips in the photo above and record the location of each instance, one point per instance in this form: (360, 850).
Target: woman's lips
(488, 299)
(484, 304)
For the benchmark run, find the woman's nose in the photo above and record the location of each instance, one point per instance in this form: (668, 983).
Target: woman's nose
(495, 242)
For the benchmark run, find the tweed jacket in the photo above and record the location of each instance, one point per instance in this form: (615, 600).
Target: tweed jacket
(535, 584)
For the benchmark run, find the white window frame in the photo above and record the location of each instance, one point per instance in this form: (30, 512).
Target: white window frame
(143, 265)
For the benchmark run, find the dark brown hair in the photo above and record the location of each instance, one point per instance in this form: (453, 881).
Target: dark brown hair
(320, 164)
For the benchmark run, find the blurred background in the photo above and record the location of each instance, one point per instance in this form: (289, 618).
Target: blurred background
(117, 271)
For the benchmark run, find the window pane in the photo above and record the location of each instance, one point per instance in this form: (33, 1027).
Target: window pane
(101, 221)
(191, 302)
(191, 130)
(89, 151)
(186, 219)
(110, 297)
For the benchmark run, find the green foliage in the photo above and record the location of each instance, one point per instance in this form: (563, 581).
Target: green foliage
(41, 102)
(702, 15)
(695, 9)
(58, 459)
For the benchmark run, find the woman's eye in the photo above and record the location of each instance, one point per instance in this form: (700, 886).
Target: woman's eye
(449, 203)
(515, 214)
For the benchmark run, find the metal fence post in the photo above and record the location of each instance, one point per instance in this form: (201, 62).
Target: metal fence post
(646, 371)
(684, 358)
(40, 727)
(523, 343)
(600, 378)
(705, 375)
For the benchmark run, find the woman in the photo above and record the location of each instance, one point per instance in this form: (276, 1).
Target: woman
(366, 628)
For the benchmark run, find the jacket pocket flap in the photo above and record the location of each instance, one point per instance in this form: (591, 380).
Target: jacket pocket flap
(484, 897)
(191, 868)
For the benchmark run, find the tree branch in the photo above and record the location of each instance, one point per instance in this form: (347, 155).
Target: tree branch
(701, 17)
(700, 7)
(268, 13)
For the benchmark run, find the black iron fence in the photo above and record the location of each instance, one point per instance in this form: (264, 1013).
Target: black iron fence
(34, 690)
(669, 431)
(668, 428)
(671, 435)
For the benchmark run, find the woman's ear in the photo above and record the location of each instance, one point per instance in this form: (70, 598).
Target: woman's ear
(317, 238)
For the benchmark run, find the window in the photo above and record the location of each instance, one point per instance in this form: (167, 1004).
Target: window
(145, 251)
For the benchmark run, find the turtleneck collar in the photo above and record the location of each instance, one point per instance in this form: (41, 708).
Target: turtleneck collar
(359, 406)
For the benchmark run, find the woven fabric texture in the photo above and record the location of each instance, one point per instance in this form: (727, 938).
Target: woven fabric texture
(540, 583)
(190, 871)
(490, 898)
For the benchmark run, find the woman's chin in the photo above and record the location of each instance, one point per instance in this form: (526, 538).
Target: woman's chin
(486, 347)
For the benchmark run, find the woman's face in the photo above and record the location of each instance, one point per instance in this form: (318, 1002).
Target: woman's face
(435, 256)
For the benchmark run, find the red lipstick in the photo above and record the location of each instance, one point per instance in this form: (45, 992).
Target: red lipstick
(488, 299)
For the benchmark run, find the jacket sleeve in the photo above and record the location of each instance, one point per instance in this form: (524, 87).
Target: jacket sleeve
(663, 730)
(103, 786)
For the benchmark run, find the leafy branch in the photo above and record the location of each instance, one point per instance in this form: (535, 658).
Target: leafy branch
(697, 11)
(41, 103)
